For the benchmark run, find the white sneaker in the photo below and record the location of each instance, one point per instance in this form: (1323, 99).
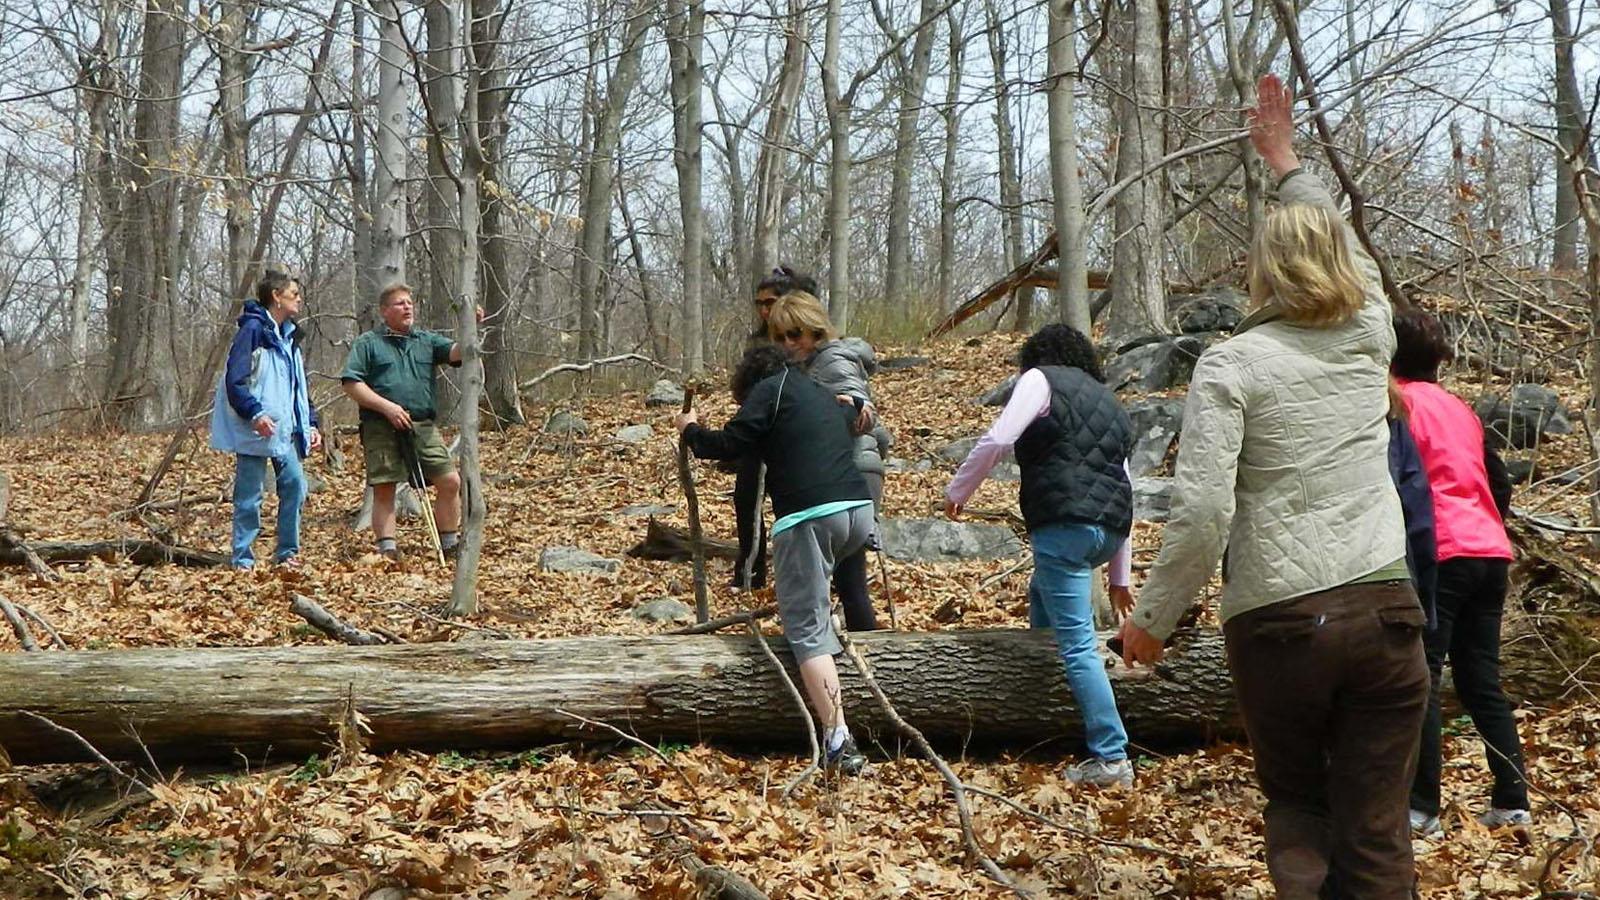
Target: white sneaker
(1102, 773)
(1424, 825)
(1503, 818)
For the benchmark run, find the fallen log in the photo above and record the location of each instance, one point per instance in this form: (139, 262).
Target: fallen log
(990, 687)
(140, 552)
(674, 544)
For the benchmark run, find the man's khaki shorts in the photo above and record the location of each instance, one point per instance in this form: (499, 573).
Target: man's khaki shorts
(380, 446)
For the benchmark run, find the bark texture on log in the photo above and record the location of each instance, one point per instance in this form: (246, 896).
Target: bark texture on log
(141, 552)
(988, 686)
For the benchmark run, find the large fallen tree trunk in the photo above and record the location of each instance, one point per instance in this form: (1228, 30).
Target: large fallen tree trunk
(1000, 686)
(140, 552)
(995, 687)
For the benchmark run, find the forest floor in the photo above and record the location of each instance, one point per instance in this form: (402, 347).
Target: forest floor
(552, 821)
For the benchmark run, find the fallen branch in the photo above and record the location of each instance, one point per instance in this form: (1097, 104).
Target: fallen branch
(24, 636)
(55, 637)
(84, 743)
(141, 552)
(330, 624)
(585, 367)
(673, 544)
(636, 741)
(815, 765)
(697, 550)
(10, 540)
(739, 618)
(957, 787)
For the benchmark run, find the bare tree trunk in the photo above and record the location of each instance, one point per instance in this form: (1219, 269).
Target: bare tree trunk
(598, 182)
(772, 162)
(947, 171)
(233, 82)
(686, 40)
(362, 208)
(389, 209)
(1570, 115)
(1139, 251)
(913, 82)
(464, 589)
(647, 298)
(838, 216)
(1072, 286)
(440, 68)
(1011, 228)
(494, 280)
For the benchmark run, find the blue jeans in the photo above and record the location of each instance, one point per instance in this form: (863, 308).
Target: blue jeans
(249, 482)
(1064, 558)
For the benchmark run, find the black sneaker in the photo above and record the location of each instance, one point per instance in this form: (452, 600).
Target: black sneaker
(451, 552)
(391, 555)
(847, 759)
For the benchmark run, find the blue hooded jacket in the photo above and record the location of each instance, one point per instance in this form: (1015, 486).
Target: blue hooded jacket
(265, 374)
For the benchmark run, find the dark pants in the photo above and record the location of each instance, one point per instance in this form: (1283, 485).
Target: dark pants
(1332, 687)
(849, 575)
(1472, 597)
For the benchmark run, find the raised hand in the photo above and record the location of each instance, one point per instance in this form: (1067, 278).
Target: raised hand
(1272, 125)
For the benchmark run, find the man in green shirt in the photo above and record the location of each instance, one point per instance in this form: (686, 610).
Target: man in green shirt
(391, 375)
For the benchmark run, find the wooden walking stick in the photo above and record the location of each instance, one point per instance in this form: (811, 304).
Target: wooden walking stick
(697, 548)
(419, 483)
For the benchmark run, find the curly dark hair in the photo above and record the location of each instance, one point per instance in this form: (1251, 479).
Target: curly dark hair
(759, 362)
(1060, 345)
(785, 279)
(1421, 345)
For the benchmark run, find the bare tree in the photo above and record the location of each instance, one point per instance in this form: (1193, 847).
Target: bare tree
(1140, 212)
(772, 162)
(686, 38)
(1011, 225)
(389, 211)
(1072, 286)
(911, 81)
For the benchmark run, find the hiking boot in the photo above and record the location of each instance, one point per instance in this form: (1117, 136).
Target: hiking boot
(391, 555)
(1505, 818)
(1102, 773)
(291, 563)
(846, 758)
(1424, 825)
(451, 552)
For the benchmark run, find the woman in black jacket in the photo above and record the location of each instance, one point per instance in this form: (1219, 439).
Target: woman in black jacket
(824, 512)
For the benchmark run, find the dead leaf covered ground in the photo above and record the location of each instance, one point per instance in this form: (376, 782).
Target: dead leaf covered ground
(593, 821)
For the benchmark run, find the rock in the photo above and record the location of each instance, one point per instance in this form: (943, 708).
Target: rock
(1519, 422)
(938, 540)
(1000, 394)
(664, 393)
(956, 451)
(1156, 423)
(1005, 470)
(1520, 470)
(1218, 309)
(663, 609)
(315, 485)
(577, 559)
(1152, 498)
(634, 434)
(896, 363)
(646, 509)
(1158, 365)
(565, 422)
(896, 464)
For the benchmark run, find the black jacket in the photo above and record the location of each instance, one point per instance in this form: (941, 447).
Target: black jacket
(1072, 458)
(803, 435)
(1416, 502)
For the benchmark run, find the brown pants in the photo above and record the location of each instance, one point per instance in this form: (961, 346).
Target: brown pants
(1333, 687)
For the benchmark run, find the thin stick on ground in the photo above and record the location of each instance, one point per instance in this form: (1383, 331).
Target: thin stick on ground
(99, 757)
(46, 627)
(957, 788)
(739, 618)
(30, 557)
(637, 741)
(24, 636)
(815, 765)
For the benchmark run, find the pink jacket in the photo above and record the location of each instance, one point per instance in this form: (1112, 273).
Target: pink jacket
(1450, 440)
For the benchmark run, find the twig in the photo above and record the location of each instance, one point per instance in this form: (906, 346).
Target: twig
(330, 625)
(1091, 836)
(584, 367)
(957, 787)
(55, 637)
(634, 739)
(888, 591)
(24, 636)
(449, 623)
(37, 566)
(100, 757)
(739, 618)
(626, 813)
(697, 550)
(815, 765)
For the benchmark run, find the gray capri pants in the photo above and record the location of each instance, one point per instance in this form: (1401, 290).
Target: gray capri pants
(803, 558)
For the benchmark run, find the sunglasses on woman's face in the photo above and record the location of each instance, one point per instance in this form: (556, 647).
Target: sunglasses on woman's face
(793, 334)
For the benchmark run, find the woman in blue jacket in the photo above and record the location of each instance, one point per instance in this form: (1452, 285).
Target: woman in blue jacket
(262, 412)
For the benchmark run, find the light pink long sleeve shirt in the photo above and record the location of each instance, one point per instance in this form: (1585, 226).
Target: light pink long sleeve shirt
(1030, 400)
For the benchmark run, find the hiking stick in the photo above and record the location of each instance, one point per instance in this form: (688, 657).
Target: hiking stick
(691, 500)
(419, 483)
(888, 593)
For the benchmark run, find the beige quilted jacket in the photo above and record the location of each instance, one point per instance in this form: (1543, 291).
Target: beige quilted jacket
(1283, 459)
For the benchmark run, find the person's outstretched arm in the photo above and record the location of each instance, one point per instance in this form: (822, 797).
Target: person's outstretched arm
(744, 433)
(1030, 399)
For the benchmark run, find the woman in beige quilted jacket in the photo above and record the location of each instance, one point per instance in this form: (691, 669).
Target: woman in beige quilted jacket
(1284, 462)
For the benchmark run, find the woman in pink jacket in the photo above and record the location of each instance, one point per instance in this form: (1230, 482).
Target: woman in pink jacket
(1473, 554)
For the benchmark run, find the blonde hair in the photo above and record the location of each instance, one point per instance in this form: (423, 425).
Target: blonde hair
(1301, 263)
(798, 309)
(389, 290)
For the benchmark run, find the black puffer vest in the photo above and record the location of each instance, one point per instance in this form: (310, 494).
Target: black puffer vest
(1072, 458)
